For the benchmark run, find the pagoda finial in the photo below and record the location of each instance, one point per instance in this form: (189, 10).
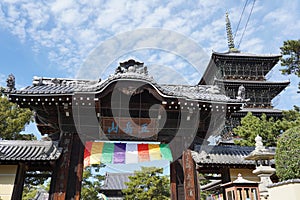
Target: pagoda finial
(229, 34)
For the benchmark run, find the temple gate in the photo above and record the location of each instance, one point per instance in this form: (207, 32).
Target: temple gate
(128, 106)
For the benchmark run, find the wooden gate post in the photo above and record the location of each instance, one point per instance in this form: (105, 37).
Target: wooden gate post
(67, 175)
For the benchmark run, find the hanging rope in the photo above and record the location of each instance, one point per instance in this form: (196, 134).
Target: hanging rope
(236, 30)
(246, 24)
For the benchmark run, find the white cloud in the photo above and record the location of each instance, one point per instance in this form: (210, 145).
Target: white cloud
(59, 6)
(69, 30)
(2, 80)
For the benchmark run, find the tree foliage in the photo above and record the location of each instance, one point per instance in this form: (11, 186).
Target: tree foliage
(31, 189)
(13, 120)
(291, 57)
(268, 128)
(287, 157)
(146, 184)
(91, 183)
(251, 126)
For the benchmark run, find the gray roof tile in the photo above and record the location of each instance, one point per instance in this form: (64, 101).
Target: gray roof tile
(28, 150)
(116, 181)
(136, 73)
(196, 92)
(229, 154)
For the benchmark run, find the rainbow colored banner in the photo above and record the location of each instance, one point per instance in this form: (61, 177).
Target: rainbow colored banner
(123, 153)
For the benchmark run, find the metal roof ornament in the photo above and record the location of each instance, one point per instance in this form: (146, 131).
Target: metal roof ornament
(229, 35)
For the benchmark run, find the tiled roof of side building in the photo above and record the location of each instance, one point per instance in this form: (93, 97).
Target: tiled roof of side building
(227, 155)
(116, 181)
(18, 150)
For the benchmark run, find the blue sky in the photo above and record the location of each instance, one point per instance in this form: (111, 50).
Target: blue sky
(55, 38)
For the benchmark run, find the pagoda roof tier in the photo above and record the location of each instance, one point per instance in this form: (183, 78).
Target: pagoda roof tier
(244, 55)
(239, 58)
(249, 83)
(50, 87)
(258, 112)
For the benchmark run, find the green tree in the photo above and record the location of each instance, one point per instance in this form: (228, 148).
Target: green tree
(251, 126)
(91, 183)
(287, 157)
(291, 118)
(32, 188)
(291, 57)
(146, 184)
(13, 120)
(268, 129)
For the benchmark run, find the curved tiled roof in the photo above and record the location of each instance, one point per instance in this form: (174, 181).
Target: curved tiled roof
(19, 150)
(57, 86)
(226, 155)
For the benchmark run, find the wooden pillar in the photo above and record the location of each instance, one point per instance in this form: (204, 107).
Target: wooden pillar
(173, 181)
(191, 184)
(76, 169)
(225, 173)
(59, 179)
(19, 182)
(177, 192)
(67, 175)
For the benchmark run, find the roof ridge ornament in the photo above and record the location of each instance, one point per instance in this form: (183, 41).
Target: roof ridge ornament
(10, 82)
(229, 36)
(131, 66)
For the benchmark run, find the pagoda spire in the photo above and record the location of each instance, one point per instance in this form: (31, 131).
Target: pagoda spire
(229, 34)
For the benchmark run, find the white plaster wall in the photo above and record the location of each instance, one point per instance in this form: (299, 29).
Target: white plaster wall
(7, 180)
(290, 191)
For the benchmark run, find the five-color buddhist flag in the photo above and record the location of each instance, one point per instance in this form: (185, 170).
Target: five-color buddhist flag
(124, 153)
(131, 153)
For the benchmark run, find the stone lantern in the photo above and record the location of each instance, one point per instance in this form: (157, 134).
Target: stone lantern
(262, 157)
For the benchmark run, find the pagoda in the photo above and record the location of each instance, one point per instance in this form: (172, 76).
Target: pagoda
(243, 75)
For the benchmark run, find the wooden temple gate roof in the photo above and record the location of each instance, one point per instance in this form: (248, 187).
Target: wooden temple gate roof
(59, 86)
